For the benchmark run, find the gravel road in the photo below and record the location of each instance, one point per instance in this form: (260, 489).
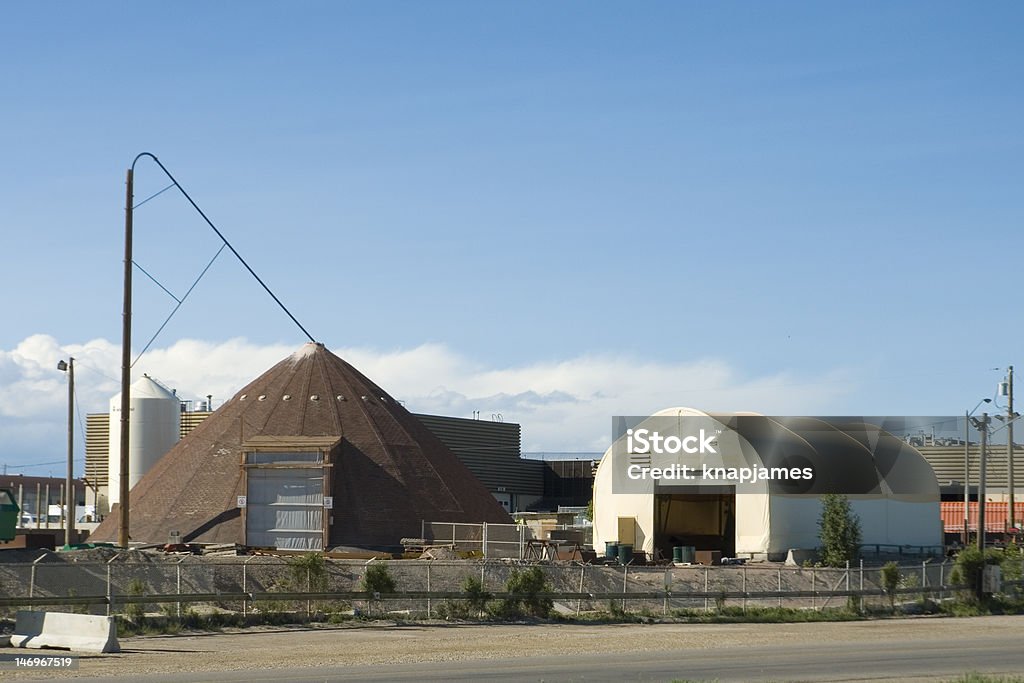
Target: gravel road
(431, 645)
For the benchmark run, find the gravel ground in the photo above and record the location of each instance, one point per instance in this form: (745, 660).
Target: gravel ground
(433, 644)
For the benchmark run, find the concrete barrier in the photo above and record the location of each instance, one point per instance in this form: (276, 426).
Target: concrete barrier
(81, 632)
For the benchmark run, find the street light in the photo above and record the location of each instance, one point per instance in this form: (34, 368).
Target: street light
(967, 467)
(69, 490)
(981, 424)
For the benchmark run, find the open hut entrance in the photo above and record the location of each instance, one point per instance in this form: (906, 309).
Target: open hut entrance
(706, 521)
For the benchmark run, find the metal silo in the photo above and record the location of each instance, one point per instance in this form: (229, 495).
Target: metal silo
(154, 427)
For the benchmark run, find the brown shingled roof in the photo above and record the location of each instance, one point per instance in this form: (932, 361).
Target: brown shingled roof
(390, 471)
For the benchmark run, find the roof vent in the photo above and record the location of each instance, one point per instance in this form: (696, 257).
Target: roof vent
(287, 397)
(261, 397)
(365, 398)
(314, 397)
(242, 397)
(340, 397)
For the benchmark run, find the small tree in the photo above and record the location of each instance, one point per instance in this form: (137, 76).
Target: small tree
(476, 597)
(839, 531)
(890, 575)
(377, 579)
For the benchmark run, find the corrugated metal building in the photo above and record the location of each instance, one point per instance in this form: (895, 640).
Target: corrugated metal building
(491, 451)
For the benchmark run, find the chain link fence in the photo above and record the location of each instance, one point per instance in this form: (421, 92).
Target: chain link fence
(250, 584)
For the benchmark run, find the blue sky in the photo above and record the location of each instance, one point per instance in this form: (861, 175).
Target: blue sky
(821, 200)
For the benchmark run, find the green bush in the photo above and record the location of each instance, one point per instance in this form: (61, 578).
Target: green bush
(526, 588)
(970, 565)
(476, 597)
(890, 575)
(377, 579)
(839, 531)
(136, 611)
(308, 573)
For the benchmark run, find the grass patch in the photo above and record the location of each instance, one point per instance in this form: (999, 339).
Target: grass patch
(975, 677)
(767, 615)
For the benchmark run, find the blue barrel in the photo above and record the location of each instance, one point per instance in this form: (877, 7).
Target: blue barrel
(677, 554)
(625, 553)
(689, 554)
(611, 549)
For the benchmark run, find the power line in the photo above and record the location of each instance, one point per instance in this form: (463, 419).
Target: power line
(175, 309)
(152, 196)
(225, 241)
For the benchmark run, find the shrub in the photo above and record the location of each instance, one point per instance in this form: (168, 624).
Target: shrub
(308, 572)
(890, 575)
(527, 588)
(135, 611)
(476, 597)
(970, 564)
(839, 531)
(377, 579)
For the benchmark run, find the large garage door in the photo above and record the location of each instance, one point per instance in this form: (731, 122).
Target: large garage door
(285, 508)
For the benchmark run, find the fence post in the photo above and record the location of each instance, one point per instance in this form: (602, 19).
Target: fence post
(428, 589)
(177, 577)
(780, 586)
(924, 577)
(522, 539)
(744, 589)
(245, 587)
(625, 574)
(579, 603)
(942, 579)
(309, 588)
(483, 540)
(814, 590)
(848, 579)
(32, 577)
(110, 595)
(706, 568)
(668, 587)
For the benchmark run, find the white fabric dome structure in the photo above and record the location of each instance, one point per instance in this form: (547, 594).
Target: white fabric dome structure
(890, 485)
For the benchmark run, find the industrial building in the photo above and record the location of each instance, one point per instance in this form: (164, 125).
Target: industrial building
(489, 448)
(890, 485)
(492, 452)
(310, 455)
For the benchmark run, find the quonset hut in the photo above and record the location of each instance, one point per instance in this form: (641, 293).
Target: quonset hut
(310, 455)
(891, 487)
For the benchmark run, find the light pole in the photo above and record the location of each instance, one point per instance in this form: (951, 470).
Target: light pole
(967, 468)
(1009, 443)
(69, 483)
(981, 424)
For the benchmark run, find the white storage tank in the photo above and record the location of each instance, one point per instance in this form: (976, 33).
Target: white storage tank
(154, 426)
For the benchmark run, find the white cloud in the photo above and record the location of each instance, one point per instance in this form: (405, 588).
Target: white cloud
(562, 405)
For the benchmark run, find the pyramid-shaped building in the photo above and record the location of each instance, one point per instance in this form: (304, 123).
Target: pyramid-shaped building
(310, 455)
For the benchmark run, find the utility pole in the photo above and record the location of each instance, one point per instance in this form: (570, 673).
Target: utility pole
(982, 425)
(126, 365)
(69, 483)
(1009, 444)
(967, 477)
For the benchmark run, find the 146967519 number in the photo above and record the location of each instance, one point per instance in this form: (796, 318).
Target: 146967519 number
(26, 661)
